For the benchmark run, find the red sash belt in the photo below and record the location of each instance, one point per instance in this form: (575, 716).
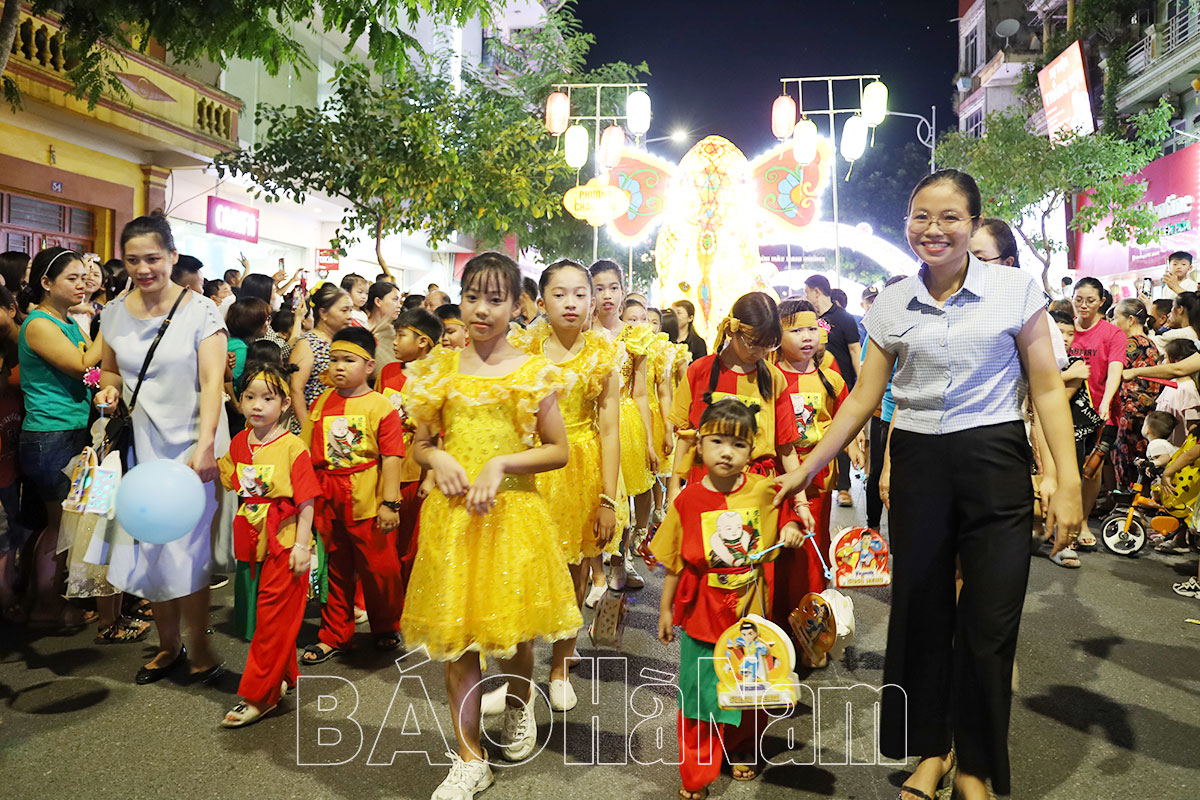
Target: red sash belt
(334, 491)
(245, 533)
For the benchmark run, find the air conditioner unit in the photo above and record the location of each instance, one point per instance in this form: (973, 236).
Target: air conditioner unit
(963, 84)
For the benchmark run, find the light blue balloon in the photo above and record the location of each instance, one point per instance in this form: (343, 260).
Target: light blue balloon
(160, 501)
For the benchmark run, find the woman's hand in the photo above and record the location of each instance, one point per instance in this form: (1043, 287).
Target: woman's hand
(107, 397)
(885, 484)
(481, 498)
(448, 474)
(857, 452)
(300, 559)
(1046, 491)
(666, 630)
(606, 525)
(1065, 516)
(204, 463)
(791, 482)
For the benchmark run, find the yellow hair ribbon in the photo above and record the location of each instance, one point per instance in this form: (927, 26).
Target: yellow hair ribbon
(351, 348)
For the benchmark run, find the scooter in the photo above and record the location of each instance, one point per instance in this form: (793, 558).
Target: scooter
(1126, 529)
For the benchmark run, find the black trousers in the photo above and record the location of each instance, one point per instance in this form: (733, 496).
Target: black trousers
(877, 434)
(965, 495)
(843, 462)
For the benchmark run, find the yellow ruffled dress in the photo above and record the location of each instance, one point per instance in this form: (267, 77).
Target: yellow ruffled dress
(635, 466)
(485, 583)
(664, 360)
(573, 492)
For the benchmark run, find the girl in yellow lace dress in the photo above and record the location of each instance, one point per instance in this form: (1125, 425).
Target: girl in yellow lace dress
(582, 494)
(666, 360)
(489, 575)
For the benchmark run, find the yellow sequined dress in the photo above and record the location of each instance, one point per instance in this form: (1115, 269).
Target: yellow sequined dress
(573, 492)
(635, 465)
(665, 357)
(485, 583)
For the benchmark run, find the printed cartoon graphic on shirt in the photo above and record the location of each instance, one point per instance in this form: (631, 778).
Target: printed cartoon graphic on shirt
(343, 439)
(733, 537)
(807, 407)
(254, 480)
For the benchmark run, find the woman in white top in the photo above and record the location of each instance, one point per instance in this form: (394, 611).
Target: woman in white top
(963, 336)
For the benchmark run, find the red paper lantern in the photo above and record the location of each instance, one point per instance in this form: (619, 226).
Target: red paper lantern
(783, 116)
(558, 113)
(612, 142)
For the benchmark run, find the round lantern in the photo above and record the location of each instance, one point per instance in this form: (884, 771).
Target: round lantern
(783, 116)
(558, 113)
(575, 146)
(874, 103)
(804, 142)
(612, 141)
(854, 138)
(637, 112)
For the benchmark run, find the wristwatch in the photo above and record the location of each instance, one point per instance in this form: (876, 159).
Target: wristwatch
(394, 505)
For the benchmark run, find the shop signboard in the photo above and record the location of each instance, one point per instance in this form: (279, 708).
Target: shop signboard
(1065, 94)
(327, 259)
(232, 220)
(1172, 187)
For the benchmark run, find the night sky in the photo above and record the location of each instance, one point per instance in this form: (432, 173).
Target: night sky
(715, 64)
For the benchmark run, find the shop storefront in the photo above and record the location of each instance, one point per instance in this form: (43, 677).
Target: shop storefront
(1173, 185)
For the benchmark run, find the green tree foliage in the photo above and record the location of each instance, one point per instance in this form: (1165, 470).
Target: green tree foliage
(1025, 177)
(217, 30)
(409, 153)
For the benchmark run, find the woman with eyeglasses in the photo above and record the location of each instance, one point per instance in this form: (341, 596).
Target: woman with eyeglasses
(739, 367)
(1102, 346)
(965, 335)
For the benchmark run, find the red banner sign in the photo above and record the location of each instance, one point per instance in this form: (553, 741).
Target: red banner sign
(327, 259)
(1065, 94)
(232, 220)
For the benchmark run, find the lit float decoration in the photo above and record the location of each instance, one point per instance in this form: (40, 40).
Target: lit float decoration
(713, 208)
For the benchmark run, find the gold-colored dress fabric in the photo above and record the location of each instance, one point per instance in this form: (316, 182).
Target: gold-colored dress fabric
(485, 583)
(573, 492)
(664, 359)
(635, 465)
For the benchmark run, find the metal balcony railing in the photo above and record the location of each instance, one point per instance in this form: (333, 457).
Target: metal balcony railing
(1169, 35)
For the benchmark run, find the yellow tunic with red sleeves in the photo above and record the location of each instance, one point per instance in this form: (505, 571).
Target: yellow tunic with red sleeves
(573, 492)
(347, 437)
(485, 583)
(391, 385)
(271, 480)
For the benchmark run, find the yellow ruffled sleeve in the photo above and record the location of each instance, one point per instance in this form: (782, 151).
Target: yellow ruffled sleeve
(427, 386)
(530, 339)
(637, 339)
(604, 358)
(533, 382)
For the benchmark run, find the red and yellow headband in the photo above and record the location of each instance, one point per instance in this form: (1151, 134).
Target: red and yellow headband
(342, 346)
(727, 427)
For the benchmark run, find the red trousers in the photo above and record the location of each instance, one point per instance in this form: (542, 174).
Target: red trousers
(406, 531)
(280, 611)
(799, 571)
(359, 551)
(700, 754)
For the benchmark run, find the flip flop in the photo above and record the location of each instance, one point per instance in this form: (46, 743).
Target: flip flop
(321, 654)
(1086, 544)
(387, 641)
(122, 631)
(1065, 557)
(244, 714)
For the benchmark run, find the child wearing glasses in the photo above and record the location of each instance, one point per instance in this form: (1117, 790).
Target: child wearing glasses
(738, 368)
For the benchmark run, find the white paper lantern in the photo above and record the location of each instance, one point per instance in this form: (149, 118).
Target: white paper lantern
(874, 103)
(637, 112)
(804, 142)
(854, 138)
(612, 142)
(575, 146)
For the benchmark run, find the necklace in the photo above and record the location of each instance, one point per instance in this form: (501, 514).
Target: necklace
(271, 436)
(51, 311)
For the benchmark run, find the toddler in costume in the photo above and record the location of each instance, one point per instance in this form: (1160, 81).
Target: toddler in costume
(490, 575)
(712, 529)
(272, 473)
(357, 442)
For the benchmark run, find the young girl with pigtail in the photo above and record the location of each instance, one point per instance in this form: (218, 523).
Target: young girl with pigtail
(816, 393)
(738, 367)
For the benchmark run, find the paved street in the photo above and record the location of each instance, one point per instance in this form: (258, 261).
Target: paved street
(1107, 708)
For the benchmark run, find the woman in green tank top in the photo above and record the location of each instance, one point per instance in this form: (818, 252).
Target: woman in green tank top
(54, 354)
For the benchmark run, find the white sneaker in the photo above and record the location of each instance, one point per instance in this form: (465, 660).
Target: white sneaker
(519, 736)
(1189, 588)
(657, 516)
(632, 579)
(466, 779)
(562, 695)
(594, 594)
(616, 577)
(492, 703)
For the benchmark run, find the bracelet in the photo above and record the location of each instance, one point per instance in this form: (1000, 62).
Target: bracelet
(303, 546)
(608, 502)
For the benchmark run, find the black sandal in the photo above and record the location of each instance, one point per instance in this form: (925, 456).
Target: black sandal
(142, 610)
(941, 784)
(387, 641)
(322, 655)
(123, 631)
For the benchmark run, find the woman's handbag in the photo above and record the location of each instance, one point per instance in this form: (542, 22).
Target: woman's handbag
(118, 433)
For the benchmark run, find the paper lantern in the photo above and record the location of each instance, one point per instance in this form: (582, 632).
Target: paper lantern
(783, 116)
(558, 113)
(854, 138)
(575, 146)
(637, 112)
(804, 142)
(874, 103)
(612, 141)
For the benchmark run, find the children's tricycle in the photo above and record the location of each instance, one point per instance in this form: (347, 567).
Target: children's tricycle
(1149, 507)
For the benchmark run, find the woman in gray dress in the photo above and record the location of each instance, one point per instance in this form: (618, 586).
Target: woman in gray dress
(178, 416)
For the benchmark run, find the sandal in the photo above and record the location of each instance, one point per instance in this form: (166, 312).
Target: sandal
(319, 653)
(1066, 558)
(244, 714)
(699, 794)
(122, 631)
(1086, 541)
(142, 610)
(744, 772)
(387, 641)
(941, 784)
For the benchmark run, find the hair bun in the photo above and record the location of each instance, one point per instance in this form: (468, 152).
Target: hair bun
(754, 408)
